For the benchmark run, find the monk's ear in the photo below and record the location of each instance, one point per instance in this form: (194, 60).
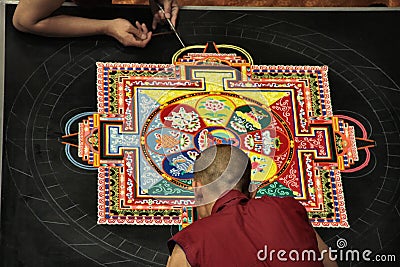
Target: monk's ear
(197, 183)
(253, 190)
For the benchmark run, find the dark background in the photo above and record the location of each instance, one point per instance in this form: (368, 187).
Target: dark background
(49, 206)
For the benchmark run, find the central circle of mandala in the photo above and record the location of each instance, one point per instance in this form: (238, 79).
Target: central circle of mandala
(178, 131)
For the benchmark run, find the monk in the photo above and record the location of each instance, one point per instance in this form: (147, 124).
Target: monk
(235, 229)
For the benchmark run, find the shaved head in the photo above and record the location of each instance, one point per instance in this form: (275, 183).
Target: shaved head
(224, 167)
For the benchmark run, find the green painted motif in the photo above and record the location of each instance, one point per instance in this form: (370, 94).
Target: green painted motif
(187, 181)
(339, 143)
(275, 189)
(165, 188)
(248, 119)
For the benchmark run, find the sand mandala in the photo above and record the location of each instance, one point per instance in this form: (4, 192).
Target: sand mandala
(153, 120)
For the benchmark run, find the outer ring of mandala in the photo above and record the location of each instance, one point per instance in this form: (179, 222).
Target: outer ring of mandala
(176, 181)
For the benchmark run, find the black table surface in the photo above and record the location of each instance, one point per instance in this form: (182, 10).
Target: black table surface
(49, 207)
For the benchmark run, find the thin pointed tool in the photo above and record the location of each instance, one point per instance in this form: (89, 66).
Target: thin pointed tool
(171, 25)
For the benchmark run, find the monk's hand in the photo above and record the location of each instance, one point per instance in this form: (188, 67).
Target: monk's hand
(171, 10)
(128, 34)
